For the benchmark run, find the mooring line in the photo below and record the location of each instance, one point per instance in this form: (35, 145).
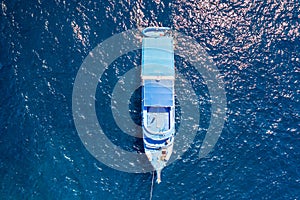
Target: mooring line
(151, 191)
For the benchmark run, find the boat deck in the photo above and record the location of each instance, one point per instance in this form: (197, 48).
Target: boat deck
(158, 119)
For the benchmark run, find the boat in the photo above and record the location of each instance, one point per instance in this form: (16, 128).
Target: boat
(158, 96)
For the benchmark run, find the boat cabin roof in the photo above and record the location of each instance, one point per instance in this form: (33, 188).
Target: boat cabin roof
(158, 57)
(158, 93)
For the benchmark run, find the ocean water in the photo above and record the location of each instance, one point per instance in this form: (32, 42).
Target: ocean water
(254, 44)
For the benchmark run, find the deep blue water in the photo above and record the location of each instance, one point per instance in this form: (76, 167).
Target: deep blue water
(255, 46)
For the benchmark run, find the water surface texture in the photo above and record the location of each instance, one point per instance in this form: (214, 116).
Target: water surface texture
(254, 44)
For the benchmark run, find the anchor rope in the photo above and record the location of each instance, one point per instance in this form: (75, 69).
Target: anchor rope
(151, 191)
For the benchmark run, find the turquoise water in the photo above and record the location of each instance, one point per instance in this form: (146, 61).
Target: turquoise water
(255, 46)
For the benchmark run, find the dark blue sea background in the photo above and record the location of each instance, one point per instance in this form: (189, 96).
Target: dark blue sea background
(254, 44)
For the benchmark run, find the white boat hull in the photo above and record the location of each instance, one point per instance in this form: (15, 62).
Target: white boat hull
(158, 99)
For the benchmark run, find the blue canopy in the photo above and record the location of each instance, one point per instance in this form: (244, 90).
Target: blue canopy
(158, 57)
(158, 93)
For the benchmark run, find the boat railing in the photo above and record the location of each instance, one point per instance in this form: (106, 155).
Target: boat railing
(159, 135)
(155, 31)
(158, 146)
